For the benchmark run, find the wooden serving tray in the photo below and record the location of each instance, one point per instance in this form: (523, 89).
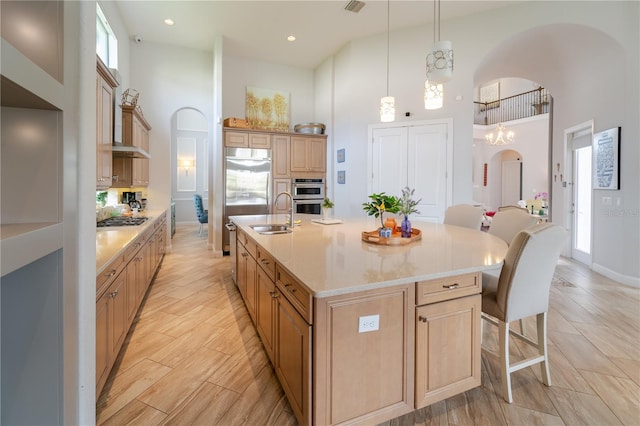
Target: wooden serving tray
(374, 238)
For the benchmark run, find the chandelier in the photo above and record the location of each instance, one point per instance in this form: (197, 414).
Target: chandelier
(503, 136)
(387, 103)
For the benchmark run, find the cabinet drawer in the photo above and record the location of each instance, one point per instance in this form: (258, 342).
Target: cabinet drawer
(266, 262)
(106, 277)
(236, 139)
(295, 292)
(448, 288)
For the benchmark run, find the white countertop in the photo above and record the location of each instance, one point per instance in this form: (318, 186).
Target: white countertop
(112, 240)
(333, 259)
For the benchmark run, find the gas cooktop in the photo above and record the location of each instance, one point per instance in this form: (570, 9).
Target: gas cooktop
(121, 221)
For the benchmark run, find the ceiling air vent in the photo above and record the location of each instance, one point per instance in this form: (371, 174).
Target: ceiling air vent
(354, 6)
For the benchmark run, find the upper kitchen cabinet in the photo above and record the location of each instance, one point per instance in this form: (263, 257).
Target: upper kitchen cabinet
(131, 159)
(281, 147)
(32, 116)
(309, 154)
(247, 140)
(105, 83)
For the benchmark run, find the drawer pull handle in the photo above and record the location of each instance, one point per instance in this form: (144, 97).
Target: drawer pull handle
(451, 286)
(264, 261)
(422, 319)
(290, 288)
(111, 273)
(114, 294)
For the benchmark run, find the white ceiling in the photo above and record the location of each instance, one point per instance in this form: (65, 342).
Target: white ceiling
(258, 29)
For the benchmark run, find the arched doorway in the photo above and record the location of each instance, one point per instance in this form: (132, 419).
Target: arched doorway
(189, 164)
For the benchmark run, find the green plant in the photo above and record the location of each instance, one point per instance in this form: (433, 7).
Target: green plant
(407, 203)
(379, 204)
(327, 203)
(101, 197)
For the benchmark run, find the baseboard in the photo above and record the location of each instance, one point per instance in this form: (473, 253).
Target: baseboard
(623, 279)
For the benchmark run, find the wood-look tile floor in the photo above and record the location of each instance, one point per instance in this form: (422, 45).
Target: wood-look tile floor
(193, 357)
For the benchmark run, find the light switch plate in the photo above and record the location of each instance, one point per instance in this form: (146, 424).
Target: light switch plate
(369, 323)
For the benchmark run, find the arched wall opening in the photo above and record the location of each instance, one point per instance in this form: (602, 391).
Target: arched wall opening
(189, 162)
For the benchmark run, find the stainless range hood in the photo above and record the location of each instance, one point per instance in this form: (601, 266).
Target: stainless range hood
(129, 151)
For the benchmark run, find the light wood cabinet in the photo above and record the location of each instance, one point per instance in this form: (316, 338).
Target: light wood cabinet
(293, 358)
(447, 339)
(359, 375)
(282, 204)
(308, 154)
(127, 171)
(126, 280)
(281, 156)
(267, 304)
(246, 273)
(234, 139)
(111, 327)
(105, 83)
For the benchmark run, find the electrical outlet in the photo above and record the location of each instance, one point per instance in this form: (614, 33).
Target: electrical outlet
(369, 323)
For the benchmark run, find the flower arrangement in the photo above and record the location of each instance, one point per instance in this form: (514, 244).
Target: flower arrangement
(327, 203)
(407, 203)
(541, 196)
(379, 204)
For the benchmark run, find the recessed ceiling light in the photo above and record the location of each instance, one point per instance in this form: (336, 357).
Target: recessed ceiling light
(169, 21)
(291, 38)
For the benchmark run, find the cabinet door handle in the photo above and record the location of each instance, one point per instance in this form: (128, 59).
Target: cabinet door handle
(422, 319)
(264, 261)
(290, 288)
(451, 286)
(273, 294)
(114, 294)
(111, 273)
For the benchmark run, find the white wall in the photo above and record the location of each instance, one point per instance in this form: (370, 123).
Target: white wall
(168, 79)
(238, 73)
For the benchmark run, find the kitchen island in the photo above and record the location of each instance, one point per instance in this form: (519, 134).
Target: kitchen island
(359, 332)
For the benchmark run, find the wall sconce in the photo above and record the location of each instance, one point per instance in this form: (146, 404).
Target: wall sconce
(186, 165)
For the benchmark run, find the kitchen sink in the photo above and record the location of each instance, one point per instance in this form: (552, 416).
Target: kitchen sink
(271, 228)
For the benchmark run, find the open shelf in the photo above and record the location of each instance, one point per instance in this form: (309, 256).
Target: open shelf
(24, 243)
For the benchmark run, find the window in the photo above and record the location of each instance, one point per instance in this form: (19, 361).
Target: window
(106, 41)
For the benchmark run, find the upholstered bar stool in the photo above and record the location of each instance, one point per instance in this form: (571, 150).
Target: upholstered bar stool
(464, 215)
(521, 291)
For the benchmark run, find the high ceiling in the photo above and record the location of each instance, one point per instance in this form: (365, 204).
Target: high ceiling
(259, 29)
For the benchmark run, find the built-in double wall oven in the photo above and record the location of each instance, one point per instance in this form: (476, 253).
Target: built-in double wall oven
(307, 194)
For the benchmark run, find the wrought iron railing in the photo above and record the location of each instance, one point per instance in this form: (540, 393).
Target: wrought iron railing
(515, 107)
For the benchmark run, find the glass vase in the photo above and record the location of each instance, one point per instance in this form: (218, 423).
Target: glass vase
(405, 227)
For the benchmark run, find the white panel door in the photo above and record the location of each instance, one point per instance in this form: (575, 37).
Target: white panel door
(414, 156)
(427, 170)
(389, 161)
(511, 183)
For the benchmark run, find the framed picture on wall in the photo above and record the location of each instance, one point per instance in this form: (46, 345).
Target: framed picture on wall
(606, 159)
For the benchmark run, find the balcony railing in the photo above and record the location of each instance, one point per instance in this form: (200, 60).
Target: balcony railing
(515, 107)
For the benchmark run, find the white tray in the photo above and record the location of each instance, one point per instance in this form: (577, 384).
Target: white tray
(327, 221)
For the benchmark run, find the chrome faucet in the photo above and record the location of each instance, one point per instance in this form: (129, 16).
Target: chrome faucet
(290, 208)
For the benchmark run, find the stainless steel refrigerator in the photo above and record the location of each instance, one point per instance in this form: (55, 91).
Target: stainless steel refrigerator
(247, 176)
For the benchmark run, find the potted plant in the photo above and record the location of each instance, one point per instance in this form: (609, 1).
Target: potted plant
(407, 205)
(379, 204)
(326, 205)
(101, 198)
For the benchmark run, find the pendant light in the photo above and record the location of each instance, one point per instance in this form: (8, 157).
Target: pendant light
(440, 59)
(433, 95)
(387, 103)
